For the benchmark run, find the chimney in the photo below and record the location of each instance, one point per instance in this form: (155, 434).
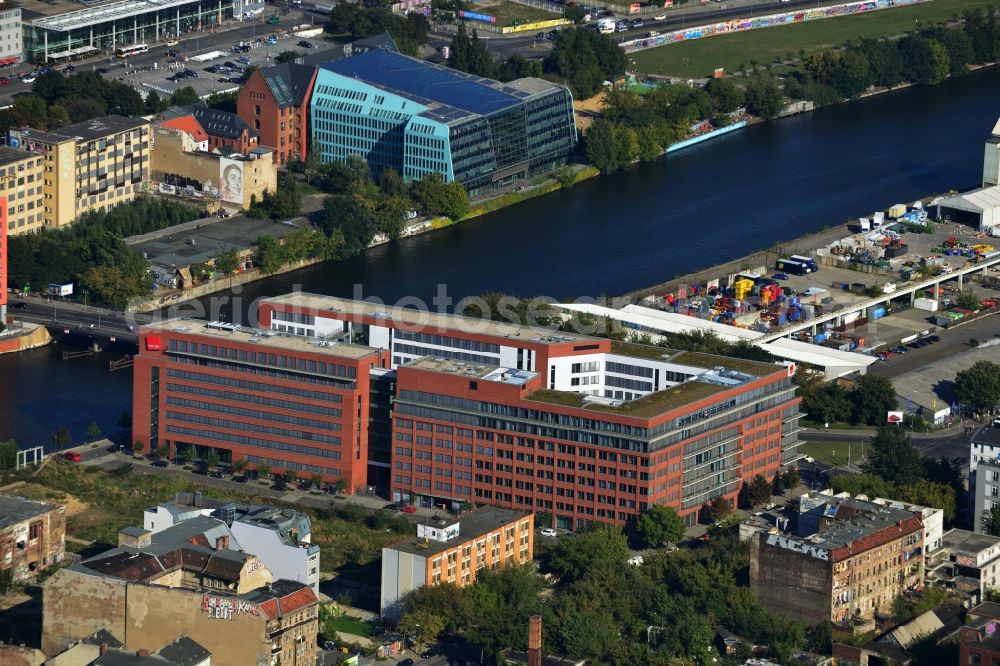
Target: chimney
(535, 641)
(142, 654)
(104, 648)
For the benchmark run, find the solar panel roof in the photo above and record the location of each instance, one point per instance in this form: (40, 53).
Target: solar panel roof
(428, 83)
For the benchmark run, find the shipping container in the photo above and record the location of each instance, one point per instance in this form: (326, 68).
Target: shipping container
(897, 211)
(927, 304)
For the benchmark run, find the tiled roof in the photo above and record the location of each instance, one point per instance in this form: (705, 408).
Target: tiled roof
(282, 598)
(187, 124)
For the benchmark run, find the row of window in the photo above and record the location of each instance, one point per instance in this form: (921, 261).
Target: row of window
(253, 427)
(252, 386)
(255, 399)
(253, 413)
(254, 441)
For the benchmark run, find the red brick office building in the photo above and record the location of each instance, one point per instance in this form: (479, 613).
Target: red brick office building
(580, 427)
(275, 103)
(262, 397)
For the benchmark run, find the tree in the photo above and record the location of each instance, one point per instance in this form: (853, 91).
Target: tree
(184, 96)
(61, 437)
(392, 184)
(138, 446)
(927, 493)
(759, 491)
(990, 522)
(269, 256)
(291, 476)
(430, 194)
(188, 454)
(719, 508)
(602, 149)
(585, 60)
(602, 548)
(455, 202)
(8, 454)
(212, 458)
(227, 261)
(763, 97)
(263, 470)
(978, 387)
(423, 627)
(873, 398)
(153, 102)
(726, 95)
(286, 56)
(239, 465)
(93, 431)
(163, 452)
(893, 458)
(660, 524)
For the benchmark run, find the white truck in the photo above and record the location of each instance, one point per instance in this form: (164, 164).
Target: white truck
(606, 26)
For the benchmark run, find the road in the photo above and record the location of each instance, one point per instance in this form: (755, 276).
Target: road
(76, 317)
(952, 341)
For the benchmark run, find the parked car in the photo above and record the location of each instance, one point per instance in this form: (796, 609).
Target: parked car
(809, 459)
(30, 78)
(101, 70)
(240, 479)
(637, 23)
(160, 463)
(304, 44)
(884, 355)
(660, 17)
(72, 456)
(217, 475)
(548, 532)
(781, 276)
(899, 349)
(69, 69)
(19, 305)
(271, 40)
(409, 509)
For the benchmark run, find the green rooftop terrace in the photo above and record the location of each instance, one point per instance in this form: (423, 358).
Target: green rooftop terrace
(695, 359)
(651, 405)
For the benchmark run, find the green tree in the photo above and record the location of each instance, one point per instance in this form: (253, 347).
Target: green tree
(873, 398)
(968, 299)
(978, 387)
(286, 56)
(138, 446)
(602, 149)
(936, 495)
(660, 524)
(893, 458)
(227, 261)
(430, 194)
(719, 508)
(93, 431)
(990, 522)
(585, 59)
(602, 548)
(725, 94)
(184, 96)
(291, 476)
(263, 470)
(392, 184)
(212, 458)
(61, 437)
(455, 201)
(759, 491)
(423, 627)
(188, 454)
(153, 102)
(163, 452)
(869, 484)
(239, 465)
(8, 454)
(269, 256)
(764, 97)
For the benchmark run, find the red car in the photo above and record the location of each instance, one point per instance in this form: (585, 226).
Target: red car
(409, 509)
(72, 456)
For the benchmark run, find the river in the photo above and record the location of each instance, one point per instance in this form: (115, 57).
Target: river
(610, 235)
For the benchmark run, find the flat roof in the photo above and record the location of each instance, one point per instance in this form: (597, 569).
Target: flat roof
(15, 509)
(426, 318)
(970, 542)
(660, 321)
(90, 130)
(10, 155)
(110, 11)
(269, 339)
(647, 406)
(470, 526)
(489, 373)
(198, 241)
(987, 436)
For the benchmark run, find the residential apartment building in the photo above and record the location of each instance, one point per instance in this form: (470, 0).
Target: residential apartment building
(32, 536)
(580, 427)
(984, 473)
(267, 398)
(93, 165)
(275, 102)
(281, 538)
(420, 118)
(862, 557)
(979, 640)
(11, 38)
(227, 132)
(21, 178)
(968, 563)
(455, 552)
(103, 649)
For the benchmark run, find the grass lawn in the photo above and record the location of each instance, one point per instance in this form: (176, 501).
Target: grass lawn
(351, 626)
(835, 453)
(510, 13)
(700, 57)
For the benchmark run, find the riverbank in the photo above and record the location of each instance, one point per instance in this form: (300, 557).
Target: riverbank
(22, 336)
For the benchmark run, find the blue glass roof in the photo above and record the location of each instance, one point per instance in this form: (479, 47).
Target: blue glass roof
(428, 83)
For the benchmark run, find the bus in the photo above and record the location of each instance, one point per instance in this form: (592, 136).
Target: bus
(791, 266)
(809, 262)
(135, 49)
(606, 26)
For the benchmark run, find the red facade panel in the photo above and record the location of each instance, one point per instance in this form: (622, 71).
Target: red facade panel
(285, 129)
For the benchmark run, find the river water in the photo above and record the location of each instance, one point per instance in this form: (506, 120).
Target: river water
(610, 235)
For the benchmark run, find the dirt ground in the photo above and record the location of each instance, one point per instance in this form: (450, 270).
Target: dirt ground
(587, 110)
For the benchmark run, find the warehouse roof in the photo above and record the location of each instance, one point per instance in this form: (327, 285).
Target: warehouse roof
(658, 321)
(974, 201)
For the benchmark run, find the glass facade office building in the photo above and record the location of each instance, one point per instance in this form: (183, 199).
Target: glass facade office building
(420, 118)
(123, 23)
